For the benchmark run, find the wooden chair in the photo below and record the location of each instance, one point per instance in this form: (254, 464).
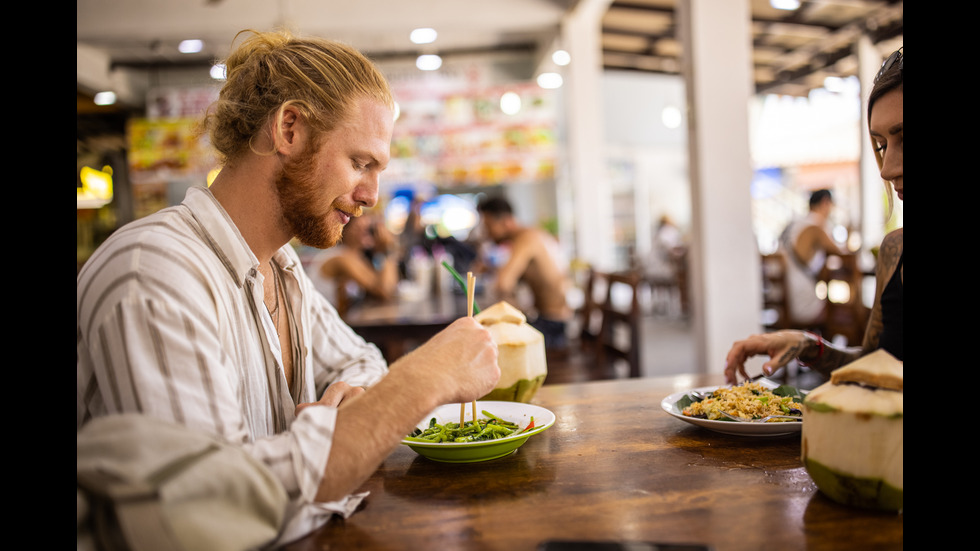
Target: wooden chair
(775, 295)
(777, 298)
(618, 339)
(588, 315)
(669, 292)
(845, 314)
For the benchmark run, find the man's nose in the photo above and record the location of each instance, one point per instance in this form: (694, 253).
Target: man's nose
(366, 192)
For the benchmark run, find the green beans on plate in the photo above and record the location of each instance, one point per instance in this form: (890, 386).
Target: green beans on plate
(491, 428)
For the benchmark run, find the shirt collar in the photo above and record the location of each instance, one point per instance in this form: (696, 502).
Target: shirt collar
(221, 233)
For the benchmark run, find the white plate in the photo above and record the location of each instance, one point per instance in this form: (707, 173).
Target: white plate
(669, 404)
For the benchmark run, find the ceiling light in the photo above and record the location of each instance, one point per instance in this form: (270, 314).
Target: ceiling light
(785, 4)
(561, 57)
(190, 46)
(423, 36)
(105, 98)
(549, 80)
(428, 62)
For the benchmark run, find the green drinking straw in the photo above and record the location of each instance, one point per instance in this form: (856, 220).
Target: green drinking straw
(459, 279)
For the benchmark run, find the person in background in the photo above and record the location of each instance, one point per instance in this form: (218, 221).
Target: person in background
(805, 244)
(533, 258)
(202, 315)
(668, 248)
(365, 263)
(885, 325)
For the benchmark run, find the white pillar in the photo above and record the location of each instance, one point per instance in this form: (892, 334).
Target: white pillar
(586, 178)
(872, 187)
(725, 266)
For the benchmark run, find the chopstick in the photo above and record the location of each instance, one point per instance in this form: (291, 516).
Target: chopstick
(470, 285)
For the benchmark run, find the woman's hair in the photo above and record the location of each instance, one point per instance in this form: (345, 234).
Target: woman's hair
(269, 71)
(890, 77)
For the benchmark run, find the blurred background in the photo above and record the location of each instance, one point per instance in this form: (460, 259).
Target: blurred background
(596, 118)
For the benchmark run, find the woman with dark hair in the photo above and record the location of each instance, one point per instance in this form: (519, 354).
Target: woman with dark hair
(884, 331)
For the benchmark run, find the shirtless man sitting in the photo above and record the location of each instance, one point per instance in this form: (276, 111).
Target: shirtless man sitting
(533, 260)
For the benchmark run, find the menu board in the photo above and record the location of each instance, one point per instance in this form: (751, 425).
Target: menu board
(166, 156)
(463, 137)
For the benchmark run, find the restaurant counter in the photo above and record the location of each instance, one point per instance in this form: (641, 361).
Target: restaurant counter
(614, 467)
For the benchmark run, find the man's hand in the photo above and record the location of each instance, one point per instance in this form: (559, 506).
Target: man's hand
(337, 394)
(459, 362)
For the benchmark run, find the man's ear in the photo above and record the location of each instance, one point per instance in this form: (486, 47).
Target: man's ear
(290, 130)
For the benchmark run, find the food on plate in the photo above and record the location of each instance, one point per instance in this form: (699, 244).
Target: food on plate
(748, 401)
(491, 428)
(852, 441)
(520, 353)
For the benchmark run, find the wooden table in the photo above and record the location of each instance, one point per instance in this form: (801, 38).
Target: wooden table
(615, 466)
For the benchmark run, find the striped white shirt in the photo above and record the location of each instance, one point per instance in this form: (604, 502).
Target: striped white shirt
(171, 323)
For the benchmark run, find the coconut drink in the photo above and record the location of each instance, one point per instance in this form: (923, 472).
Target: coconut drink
(520, 353)
(853, 432)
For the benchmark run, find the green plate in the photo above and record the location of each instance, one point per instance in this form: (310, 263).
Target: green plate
(472, 452)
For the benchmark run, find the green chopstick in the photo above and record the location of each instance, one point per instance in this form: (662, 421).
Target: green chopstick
(459, 279)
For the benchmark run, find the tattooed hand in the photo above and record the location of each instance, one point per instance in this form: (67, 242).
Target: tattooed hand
(780, 346)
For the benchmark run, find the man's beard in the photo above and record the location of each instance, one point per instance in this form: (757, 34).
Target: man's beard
(300, 200)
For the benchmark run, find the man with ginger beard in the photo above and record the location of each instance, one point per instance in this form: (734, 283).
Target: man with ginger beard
(202, 315)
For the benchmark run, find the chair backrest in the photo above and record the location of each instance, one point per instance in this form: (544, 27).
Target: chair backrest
(619, 333)
(588, 314)
(846, 313)
(775, 295)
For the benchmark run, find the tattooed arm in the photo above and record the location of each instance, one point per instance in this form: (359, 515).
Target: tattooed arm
(783, 346)
(818, 354)
(888, 256)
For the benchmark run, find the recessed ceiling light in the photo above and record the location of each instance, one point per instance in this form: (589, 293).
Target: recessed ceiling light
(423, 36)
(190, 46)
(561, 57)
(105, 98)
(785, 4)
(428, 62)
(549, 80)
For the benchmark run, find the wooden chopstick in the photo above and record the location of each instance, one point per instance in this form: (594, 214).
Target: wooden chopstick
(470, 286)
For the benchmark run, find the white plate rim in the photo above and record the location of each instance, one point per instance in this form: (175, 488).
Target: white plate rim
(450, 412)
(668, 404)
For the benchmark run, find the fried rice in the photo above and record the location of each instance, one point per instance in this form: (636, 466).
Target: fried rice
(748, 401)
